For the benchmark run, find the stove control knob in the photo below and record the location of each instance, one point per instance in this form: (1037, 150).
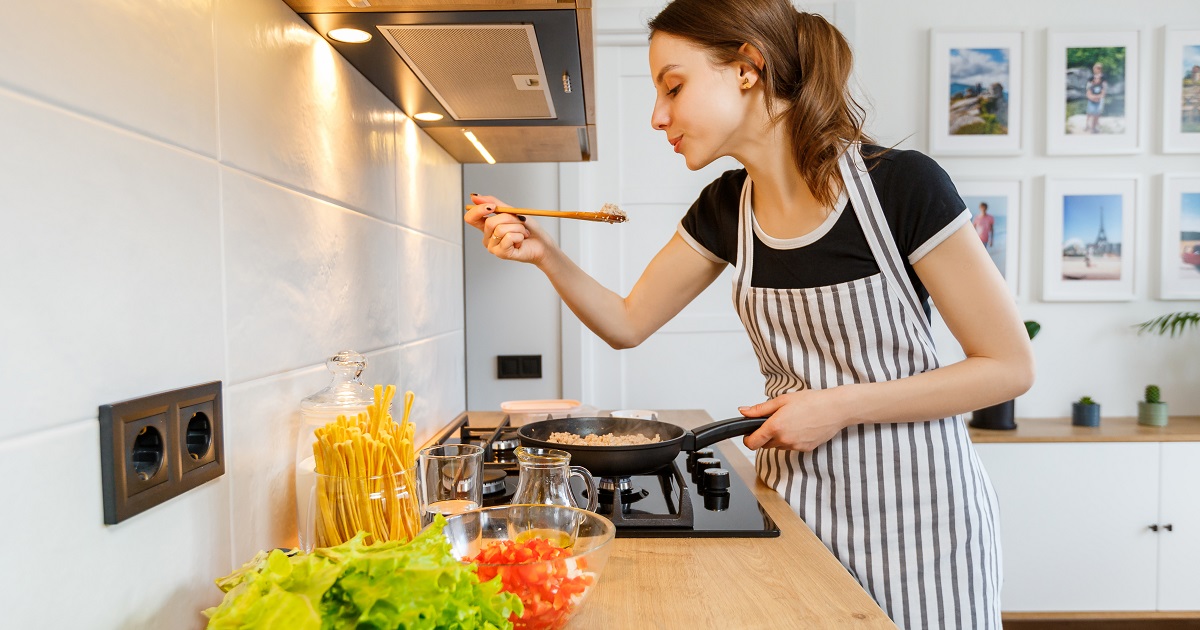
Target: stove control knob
(715, 480)
(717, 502)
(694, 455)
(703, 464)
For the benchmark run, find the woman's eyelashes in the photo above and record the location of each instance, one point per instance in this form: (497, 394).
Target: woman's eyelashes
(675, 90)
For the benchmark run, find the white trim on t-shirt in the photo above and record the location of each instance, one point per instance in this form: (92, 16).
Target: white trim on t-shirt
(700, 249)
(943, 234)
(806, 239)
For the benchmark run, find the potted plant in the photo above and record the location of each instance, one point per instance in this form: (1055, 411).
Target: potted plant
(1152, 412)
(1170, 324)
(1001, 417)
(1085, 412)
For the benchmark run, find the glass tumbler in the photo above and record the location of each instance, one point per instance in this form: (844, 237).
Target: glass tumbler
(449, 479)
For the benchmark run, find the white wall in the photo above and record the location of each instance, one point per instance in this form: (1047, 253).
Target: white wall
(1084, 348)
(194, 191)
(510, 307)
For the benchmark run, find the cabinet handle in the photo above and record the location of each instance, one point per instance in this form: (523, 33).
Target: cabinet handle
(1169, 527)
(1154, 528)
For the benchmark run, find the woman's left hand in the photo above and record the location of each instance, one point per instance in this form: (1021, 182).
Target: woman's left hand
(799, 421)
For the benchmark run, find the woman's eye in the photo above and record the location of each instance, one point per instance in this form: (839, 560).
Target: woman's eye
(675, 90)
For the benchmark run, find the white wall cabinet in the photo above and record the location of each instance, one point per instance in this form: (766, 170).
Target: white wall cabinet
(1077, 525)
(1179, 547)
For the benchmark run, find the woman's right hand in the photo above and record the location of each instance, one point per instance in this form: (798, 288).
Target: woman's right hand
(507, 236)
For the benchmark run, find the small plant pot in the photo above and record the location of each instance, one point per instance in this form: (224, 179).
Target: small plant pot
(1152, 414)
(997, 417)
(1085, 415)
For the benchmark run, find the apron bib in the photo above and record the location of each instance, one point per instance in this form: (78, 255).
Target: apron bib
(907, 508)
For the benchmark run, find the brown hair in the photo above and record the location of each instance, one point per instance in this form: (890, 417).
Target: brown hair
(807, 64)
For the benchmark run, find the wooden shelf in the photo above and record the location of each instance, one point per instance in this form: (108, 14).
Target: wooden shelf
(1178, 429)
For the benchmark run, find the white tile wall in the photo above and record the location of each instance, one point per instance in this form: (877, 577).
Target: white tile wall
(146, 65)
(300, 114)
(304, 276)
(109, 256)
(147, 246)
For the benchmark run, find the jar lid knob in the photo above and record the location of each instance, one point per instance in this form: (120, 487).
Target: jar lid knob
(347, 361)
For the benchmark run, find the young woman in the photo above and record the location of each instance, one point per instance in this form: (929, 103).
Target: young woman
(838, 246)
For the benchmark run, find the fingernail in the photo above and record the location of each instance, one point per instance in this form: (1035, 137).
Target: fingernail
(473, 194)
(521, 217)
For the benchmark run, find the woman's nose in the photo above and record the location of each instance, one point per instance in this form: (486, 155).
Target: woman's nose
(659, 117)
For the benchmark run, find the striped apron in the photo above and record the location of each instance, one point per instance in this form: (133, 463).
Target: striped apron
(907, 508)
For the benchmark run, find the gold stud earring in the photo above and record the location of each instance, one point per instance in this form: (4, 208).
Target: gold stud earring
(746, 84)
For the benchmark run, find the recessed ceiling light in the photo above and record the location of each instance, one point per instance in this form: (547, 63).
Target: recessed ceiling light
(428, 116)
(479, 145)
(349, 35)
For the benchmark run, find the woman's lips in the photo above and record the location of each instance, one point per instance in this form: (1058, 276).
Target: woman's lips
(675, 143)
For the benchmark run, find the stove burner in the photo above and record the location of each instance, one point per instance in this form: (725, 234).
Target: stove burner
(506, 444)
(493, 481)
(607, 486)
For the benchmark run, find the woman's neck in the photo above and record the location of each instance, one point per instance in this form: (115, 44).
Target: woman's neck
(783, 202)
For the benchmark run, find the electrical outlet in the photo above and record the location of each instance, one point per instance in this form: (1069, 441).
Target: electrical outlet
(519, 366)
(159, 446)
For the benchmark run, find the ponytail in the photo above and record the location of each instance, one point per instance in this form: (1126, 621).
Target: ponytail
(806, 73)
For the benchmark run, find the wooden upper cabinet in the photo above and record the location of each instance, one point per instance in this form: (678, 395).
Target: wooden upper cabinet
(484, 82)
(349, 6)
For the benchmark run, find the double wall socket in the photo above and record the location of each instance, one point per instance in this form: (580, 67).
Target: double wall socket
(159, 446)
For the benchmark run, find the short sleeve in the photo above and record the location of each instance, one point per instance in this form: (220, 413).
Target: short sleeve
(710, 225)
(925, 205)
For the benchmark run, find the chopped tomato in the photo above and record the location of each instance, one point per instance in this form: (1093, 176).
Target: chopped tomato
(540, 576)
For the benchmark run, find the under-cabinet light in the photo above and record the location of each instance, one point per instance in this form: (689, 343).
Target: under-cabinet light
(349, 35)
(479, 145)
(428, 116)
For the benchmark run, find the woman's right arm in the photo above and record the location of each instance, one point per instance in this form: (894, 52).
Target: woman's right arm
(675, 276)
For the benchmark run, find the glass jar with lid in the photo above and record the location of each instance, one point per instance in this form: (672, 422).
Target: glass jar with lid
(347, 396)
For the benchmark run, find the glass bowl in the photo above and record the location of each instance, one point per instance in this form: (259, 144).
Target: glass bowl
(552, 590)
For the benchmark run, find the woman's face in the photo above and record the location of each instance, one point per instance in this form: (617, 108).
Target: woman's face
(1097, 69)
(699, 106)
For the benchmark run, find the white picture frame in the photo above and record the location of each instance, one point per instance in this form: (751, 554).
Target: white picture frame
(1068, 117)
(1003, 199)
(1181, 56)
(965, 67)
(1090, 238)
(1179, 270)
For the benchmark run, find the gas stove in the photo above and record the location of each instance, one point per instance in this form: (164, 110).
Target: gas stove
(696, 496)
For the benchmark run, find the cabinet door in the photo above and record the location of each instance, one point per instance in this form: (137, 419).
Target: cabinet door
(1179, 548)
(1075, 524)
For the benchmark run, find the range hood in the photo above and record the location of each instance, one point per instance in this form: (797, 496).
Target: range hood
(515, 78)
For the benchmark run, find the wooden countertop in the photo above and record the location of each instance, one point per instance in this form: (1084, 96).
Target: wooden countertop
(1032, 430)
(787, 582)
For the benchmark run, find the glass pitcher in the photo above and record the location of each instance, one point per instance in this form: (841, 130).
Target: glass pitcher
(546, 478)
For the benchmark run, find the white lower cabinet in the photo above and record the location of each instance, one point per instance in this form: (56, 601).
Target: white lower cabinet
(1179, 546)
(1078, 525)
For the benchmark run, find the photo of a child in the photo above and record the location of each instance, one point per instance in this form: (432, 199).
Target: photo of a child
(1095, 90)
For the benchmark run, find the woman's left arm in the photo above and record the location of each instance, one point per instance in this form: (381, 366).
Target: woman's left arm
(976, 305)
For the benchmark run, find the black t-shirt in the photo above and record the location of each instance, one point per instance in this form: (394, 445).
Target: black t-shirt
(920, 202)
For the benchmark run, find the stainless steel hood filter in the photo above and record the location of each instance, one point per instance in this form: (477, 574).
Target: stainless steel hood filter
(477, 71)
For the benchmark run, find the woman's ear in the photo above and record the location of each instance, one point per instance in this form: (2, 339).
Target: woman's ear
(749, 75)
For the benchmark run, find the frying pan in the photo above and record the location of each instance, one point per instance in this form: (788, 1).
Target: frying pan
(637, 459)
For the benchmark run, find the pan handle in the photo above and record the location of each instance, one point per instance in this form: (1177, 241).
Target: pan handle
(720, 430)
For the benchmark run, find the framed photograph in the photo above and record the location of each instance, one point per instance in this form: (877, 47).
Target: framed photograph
(1180, 271)
(995, 207)
(975, 93)
(1092, 93)
(1181, 91)
(1090, 239)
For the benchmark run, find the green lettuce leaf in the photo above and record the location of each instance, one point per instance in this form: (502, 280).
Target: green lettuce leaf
(391, 585)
